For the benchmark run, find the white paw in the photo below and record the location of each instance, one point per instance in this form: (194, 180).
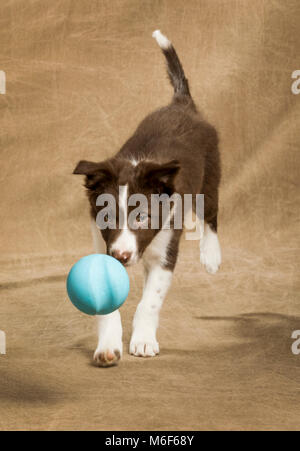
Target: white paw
(210, 252)
(108, 354)
(142, 345)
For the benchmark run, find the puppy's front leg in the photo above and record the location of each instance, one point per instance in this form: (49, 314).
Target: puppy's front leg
(143, 342)
(110, 347)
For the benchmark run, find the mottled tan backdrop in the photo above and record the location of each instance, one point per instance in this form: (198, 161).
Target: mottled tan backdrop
(80, 76)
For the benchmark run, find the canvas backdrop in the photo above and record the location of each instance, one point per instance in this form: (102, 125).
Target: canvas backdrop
(80, 75)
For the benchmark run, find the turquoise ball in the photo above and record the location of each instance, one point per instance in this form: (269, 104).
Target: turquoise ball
(98, 284)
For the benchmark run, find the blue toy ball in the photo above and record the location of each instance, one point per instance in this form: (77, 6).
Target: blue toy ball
(98, 284)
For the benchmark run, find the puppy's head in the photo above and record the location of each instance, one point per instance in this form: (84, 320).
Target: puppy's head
(120, 197)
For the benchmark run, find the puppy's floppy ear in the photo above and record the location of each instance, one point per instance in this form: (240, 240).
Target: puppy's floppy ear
(85, 167)
(97, 174)
(160, 175)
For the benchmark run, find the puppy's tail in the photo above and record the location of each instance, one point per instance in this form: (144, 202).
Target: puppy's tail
(175, 70)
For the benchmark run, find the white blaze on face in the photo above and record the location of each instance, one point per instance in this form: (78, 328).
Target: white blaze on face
(126, 240)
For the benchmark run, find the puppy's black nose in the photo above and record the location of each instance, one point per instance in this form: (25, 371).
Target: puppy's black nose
(123, 257)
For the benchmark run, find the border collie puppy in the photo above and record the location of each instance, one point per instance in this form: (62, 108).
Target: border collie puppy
(173, 150)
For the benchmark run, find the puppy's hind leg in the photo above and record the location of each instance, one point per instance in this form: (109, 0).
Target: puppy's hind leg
(110, 347)
(210, 250)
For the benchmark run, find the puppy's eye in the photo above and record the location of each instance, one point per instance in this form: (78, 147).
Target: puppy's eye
(142, 217)
(110, 217)
(140, 222)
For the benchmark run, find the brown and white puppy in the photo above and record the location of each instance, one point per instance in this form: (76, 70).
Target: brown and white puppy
(172, 150)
